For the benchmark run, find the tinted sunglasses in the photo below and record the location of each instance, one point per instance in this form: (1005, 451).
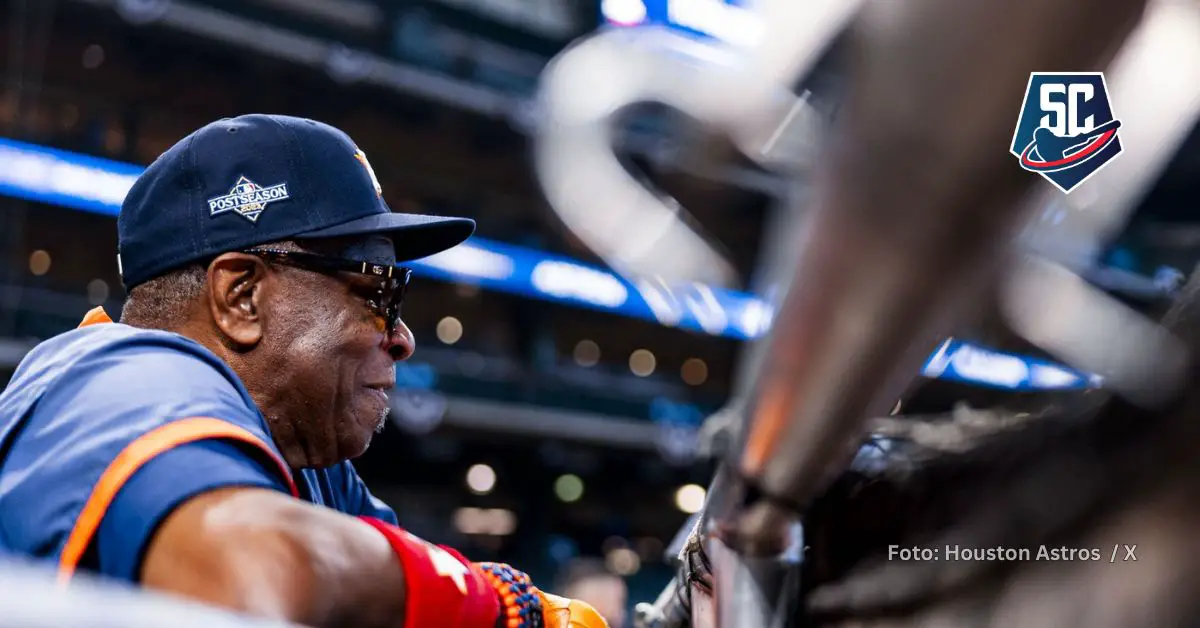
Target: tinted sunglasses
(392, 280)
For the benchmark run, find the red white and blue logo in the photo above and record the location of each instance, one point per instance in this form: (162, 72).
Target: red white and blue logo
(1067, 130)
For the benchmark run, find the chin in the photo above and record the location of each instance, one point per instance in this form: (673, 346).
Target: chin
(365, 427)
(354, 446)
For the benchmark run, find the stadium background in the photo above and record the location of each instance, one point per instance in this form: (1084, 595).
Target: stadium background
(544, 416)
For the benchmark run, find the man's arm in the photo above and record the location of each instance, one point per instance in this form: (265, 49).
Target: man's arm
(264, 553)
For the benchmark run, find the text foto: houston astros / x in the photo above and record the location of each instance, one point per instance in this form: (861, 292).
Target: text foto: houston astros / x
(1120, 552)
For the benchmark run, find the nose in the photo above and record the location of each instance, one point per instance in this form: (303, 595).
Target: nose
(400, 343)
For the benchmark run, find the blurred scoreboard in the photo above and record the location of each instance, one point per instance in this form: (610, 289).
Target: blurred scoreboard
(727, 21)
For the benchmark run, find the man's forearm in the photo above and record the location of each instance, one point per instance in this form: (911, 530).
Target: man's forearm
(268, 555)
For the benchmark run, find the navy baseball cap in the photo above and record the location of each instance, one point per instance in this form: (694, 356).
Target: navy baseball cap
(254, 179)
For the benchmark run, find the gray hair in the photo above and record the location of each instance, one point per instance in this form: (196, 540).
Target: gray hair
(163, 302)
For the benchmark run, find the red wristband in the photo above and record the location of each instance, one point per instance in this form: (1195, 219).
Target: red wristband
(442, 588)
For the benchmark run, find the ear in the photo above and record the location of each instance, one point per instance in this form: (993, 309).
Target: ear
(235, 298)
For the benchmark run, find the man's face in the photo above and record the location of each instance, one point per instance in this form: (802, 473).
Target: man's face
(333, 352)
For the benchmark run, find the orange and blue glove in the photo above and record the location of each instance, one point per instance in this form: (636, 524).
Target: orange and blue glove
(559, 612)
(523, 605)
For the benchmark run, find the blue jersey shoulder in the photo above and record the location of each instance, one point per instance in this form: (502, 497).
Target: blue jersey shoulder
(117, 369)
(77, 400)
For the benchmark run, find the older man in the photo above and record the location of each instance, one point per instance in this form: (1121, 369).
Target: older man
(202, 445)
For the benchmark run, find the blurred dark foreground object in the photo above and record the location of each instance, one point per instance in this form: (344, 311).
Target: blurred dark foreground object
(1090, 514)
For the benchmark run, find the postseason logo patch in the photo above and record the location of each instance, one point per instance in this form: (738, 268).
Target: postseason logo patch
(248, 199)
(1067, 130)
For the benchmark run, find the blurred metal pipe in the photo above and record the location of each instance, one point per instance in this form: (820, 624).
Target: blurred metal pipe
(584, 89)
(895, 251)
(744, 593)
(874, 291)
(755, 105)
(734, 89)
(750, 589)
(651, 148)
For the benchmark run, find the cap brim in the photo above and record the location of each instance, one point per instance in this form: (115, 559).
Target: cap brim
(415, 235)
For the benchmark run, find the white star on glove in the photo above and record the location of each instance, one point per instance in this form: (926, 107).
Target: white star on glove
(448, 567)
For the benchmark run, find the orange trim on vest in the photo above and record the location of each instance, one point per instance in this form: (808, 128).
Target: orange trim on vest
(95, 316)
(136, 454)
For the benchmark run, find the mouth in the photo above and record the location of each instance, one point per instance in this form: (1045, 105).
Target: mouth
(380, 391)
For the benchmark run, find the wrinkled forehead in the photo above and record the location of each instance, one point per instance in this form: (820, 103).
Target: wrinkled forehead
(376, 249)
